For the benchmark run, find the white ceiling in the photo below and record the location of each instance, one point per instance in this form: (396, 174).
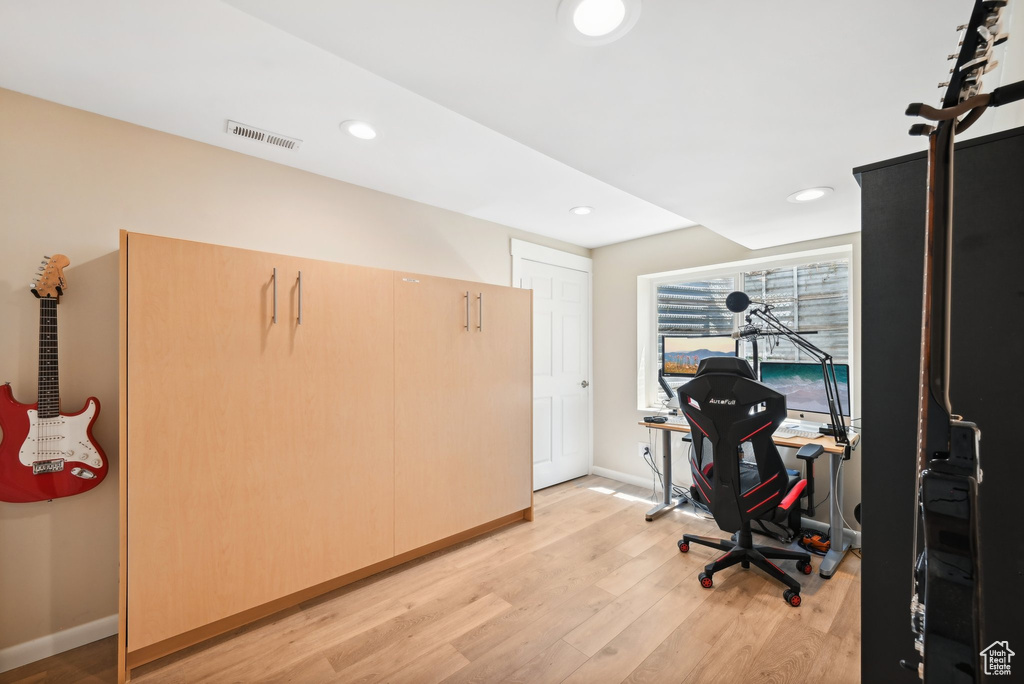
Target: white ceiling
(712, 111)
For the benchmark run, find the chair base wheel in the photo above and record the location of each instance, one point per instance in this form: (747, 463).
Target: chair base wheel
(792, 598)
(705, 580)
(804, 567)
(684, 547)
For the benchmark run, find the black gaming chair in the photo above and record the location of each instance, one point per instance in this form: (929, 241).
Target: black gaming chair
(737, 469)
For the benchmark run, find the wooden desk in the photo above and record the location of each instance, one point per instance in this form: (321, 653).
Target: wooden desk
(836, 454)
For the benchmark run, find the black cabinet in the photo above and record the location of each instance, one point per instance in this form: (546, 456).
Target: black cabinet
(986, 381)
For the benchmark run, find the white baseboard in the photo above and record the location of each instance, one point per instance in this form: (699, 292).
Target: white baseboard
(52, 644)
(623, 477)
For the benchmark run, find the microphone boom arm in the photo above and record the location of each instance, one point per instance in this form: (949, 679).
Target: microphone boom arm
(828, 370)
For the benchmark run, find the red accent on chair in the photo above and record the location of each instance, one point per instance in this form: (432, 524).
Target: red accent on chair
(697, 470)
(762, 484)
(693, 422)
(756, 431)
(793, 495)
(756, 506)
(707, 497)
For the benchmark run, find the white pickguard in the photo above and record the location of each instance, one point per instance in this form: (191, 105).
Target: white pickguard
(60, 437)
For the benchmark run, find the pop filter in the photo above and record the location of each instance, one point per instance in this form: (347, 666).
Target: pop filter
(737, 302)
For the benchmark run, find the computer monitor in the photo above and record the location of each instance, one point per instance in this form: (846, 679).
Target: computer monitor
(681, 354)
(804, 386)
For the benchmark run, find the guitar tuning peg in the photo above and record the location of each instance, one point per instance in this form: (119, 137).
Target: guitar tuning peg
(1000, 39)
(993, 10)
(985, 34)
(42, 268)
(978, 62)
(45, 256)
(944, 84)
(990, 66)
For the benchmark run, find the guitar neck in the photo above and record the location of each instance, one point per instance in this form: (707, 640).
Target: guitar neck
(933, 393)
(49, 390)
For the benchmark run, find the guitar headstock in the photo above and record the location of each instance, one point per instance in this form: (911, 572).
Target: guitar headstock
(963, 103)
(50, 281)
(974, 58)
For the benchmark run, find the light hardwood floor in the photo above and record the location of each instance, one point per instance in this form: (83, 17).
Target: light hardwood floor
(588, 592)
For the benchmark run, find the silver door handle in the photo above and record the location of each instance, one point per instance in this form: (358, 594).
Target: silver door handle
(274, 278)
(480, 312)
(467, 310)
(584, 384)
(300, 297)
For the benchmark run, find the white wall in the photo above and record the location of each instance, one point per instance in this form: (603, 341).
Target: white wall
(616, 267)
(69, 180)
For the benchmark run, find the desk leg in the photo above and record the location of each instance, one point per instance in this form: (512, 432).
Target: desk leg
(840, 543)
(666, 472)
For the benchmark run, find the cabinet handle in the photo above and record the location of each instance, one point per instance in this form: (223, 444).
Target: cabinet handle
(274, 278)
(480, 312)
(300, 297)
(467, 310)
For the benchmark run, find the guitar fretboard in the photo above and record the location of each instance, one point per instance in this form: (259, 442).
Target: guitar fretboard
(49, 393)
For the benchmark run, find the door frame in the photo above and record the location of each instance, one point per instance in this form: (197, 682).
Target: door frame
(529, 251)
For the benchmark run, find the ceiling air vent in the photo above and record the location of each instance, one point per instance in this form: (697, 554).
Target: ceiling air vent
(260, 135)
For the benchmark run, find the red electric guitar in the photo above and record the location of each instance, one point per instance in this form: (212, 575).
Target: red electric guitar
(46, 454)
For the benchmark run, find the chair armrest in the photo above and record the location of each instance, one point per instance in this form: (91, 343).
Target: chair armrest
(809, 452)
(794, 494)
(687, 438)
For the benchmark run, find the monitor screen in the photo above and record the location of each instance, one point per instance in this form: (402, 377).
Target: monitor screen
(681, 355)
(803, 385)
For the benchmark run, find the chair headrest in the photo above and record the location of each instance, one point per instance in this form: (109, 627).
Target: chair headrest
(731, 365)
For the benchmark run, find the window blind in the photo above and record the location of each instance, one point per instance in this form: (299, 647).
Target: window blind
(813, 299)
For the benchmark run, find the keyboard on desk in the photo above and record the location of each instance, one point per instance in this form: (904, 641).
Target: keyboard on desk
(796, 431)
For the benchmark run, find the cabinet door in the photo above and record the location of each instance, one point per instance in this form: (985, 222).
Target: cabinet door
(256, 463)
(463, 406)
(342, 411)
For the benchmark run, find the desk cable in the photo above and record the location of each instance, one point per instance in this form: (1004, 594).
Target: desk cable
(650, 456)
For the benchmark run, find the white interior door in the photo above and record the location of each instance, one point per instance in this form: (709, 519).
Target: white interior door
(561, 370)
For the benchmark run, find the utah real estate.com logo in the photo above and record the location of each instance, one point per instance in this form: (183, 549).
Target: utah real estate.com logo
(997, 658)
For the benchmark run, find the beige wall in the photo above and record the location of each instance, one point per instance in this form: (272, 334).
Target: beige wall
(616, 267)
(69, 180)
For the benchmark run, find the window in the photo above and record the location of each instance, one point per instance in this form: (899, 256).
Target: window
(812, 299)
(809, 292)
(695, 307)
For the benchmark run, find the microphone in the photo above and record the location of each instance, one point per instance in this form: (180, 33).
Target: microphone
(737, 302)
(748, 331)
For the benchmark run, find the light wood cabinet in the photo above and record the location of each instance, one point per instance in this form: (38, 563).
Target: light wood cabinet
(252, 444)
(464, 400)
(259, 458)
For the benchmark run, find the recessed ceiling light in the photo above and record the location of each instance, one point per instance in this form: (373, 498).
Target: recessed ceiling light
(581, 211)
(359, 129)
(597, 22)
(598, 17)
(809, 195)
